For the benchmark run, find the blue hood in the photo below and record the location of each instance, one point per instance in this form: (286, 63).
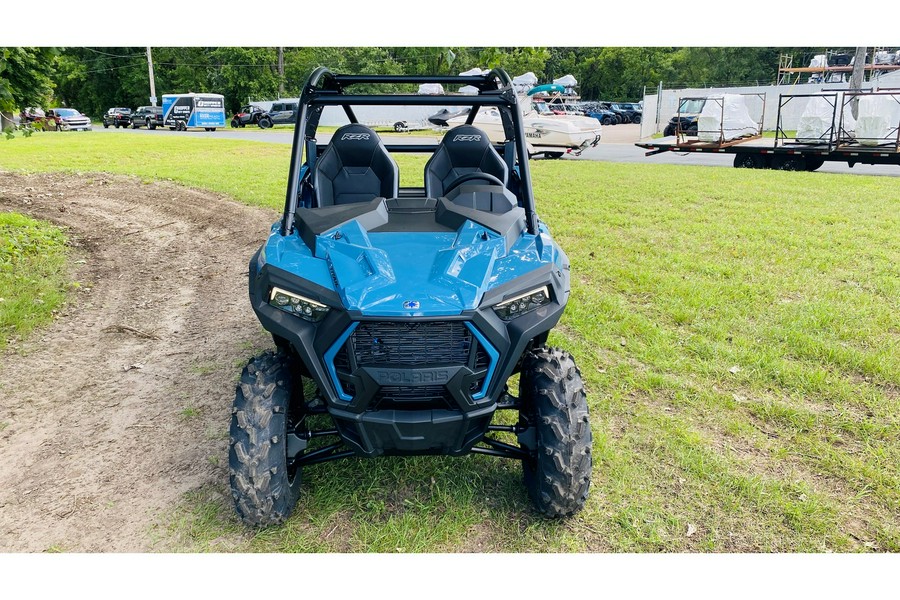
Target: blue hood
(408, 274)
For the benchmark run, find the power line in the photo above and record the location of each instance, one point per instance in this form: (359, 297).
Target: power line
(207, 65)
(112, 68)
(108, 54)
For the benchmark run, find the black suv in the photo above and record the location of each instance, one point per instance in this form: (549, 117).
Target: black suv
(151, 116)
(120, 117)
(283, 113)
(629, 114)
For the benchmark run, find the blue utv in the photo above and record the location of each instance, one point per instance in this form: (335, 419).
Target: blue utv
(399, 314)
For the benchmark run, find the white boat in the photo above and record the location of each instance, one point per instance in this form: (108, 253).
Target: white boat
(547, 133)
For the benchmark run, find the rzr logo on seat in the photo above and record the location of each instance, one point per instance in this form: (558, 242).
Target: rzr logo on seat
(355, 136)
(467, 138)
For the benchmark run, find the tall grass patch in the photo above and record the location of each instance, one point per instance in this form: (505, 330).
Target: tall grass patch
(33, 275)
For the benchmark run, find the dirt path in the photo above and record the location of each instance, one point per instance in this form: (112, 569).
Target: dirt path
(123, 404)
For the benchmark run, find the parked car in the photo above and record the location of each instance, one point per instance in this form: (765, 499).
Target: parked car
(151, 116)
(605, 116)
(120, 117)
(563, 108)
(607, 106)
(283, 113)
(629, 115)
(66, 119)
(32, 115)
(638, 109)
(251, 115)
(687, 116)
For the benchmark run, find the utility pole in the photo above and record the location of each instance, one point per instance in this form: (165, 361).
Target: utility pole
(281, 71)
(152, 79)
(658, 105)
(856, 78)
(859, 64)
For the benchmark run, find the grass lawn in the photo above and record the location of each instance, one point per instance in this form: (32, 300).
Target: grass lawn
(738, 331)
(33, 275)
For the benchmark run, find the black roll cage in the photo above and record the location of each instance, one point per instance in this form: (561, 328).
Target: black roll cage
(324, 88)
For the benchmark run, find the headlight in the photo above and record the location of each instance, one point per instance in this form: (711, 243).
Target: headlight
(510, 309)
(297, 305)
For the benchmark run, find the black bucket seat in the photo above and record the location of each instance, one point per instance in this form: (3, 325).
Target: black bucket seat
(463, 152)
(355, 167)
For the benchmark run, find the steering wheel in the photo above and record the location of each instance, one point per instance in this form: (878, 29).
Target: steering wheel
(470, 177)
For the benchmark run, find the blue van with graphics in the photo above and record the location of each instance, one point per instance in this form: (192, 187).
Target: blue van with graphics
(181, 111)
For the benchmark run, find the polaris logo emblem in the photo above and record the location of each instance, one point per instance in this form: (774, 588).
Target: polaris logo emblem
(418, 377)
(411, 305)
(355, 136)
(467, 138)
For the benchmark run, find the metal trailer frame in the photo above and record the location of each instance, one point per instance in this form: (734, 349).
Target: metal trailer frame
(781, 137)
(846, 140)
(682, 135)
(796, 156)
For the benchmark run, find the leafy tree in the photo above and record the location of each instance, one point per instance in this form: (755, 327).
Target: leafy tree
(516, 61)
(25, 77)
(93, 79)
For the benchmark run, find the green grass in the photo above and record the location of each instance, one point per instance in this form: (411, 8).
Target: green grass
(189, 412)
(33, 276)
(792, 278)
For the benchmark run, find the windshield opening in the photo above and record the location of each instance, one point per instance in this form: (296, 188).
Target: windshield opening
(692, 105)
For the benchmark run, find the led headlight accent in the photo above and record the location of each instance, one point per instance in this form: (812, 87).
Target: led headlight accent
(512, 308)
(297, 305)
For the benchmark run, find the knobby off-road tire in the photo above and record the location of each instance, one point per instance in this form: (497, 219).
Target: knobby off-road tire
(263, 489)
(559, 477)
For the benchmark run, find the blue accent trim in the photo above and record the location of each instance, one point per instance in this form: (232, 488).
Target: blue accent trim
(329, 362)
(495, 357)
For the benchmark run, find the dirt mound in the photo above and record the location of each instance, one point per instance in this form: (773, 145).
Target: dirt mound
(123, 404)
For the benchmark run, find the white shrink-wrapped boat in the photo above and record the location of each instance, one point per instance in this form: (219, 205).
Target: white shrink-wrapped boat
(816, 125)
(878, 120)
(821, 121)
(724, 118)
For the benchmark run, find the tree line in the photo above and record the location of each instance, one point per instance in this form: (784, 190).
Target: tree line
(94, 79)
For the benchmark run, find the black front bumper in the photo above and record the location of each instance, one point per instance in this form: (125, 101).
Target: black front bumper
(402, 408)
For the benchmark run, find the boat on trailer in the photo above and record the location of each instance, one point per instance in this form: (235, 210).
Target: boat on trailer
(548, 134)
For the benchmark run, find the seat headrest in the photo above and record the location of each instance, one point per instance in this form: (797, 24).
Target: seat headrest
(466, 145)
(355, 144)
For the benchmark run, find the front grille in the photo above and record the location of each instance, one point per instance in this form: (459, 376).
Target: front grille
(400, 345)
(411, 344)
(412, 398)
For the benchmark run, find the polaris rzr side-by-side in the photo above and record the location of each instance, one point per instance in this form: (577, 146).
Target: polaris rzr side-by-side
(409, 308)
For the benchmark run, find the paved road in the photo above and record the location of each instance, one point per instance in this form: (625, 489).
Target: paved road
(620, 147)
